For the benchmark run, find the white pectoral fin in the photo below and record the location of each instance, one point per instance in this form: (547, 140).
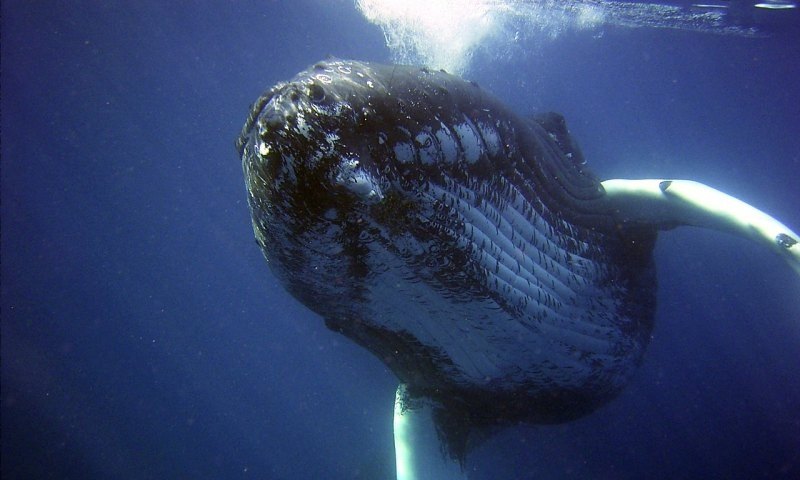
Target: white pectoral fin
(418, 449)
(668, 203)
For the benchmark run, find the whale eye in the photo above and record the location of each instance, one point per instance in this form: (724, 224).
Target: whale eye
(316, 93)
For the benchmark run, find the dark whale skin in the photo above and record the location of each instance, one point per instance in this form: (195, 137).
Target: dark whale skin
(467, 247)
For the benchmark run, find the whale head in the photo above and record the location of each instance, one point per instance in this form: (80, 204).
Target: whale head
(342, 156)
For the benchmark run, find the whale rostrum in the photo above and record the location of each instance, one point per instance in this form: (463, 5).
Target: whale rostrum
(469, 248)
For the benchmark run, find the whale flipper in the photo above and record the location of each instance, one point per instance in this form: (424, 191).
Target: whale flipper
(669, 203)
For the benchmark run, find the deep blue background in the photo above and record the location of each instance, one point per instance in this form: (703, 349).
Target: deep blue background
(144, 337)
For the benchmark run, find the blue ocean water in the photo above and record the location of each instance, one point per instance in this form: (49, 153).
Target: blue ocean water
(144, 337)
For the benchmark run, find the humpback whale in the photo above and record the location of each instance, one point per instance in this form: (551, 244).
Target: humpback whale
(467, 247)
